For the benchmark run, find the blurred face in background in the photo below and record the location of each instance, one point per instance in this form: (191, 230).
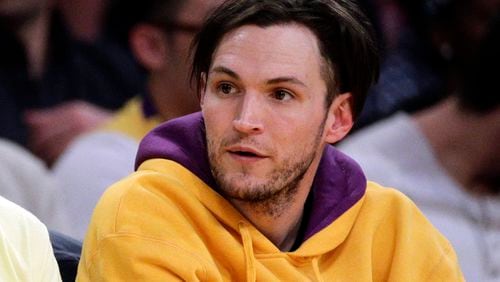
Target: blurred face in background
(19, 12)
(172, 80)
(469, 26)
(188, 22)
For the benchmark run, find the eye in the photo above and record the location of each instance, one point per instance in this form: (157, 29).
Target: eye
(226, 88)
(282, 95)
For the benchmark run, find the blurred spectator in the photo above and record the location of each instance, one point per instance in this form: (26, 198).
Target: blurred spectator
(84, 18)
(410, 71)
(160, 33)
(421, 40)
(25, 253)
(42, 67)
(447, 158)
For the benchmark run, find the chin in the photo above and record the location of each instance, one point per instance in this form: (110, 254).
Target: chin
(244, 187)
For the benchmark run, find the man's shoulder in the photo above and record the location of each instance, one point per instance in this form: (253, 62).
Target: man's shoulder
(158, 188)
(390, 202)
(398, 226)
(390, 211)
(382, 195)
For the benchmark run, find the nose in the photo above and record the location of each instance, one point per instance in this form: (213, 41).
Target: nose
(249, 119)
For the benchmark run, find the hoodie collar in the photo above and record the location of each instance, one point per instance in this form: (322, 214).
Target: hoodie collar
(338, 185)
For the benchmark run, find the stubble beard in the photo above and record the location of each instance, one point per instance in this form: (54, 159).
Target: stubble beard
(273, 197)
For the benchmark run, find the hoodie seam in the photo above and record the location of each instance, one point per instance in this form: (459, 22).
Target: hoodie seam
(436, 267)
(263, 257)
(117, 212)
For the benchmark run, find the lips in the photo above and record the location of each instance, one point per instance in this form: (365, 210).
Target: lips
(246, 152)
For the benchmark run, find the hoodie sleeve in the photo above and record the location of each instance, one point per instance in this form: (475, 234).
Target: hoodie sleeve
(129, 257)
(130, 240)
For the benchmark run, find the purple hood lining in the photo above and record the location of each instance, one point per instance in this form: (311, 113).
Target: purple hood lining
(338, 185)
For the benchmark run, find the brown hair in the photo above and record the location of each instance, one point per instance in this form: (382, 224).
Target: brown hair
(345, 37)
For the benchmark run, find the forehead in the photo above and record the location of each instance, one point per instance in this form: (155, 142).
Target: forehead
(287, 49)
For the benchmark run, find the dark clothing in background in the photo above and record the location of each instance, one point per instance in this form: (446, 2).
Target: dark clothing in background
(411, 79)
(102, 74)
(67, 252)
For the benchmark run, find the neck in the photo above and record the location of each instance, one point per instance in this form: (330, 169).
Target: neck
(461, 142)
(280, 225)
(34, 36)
(280, 229)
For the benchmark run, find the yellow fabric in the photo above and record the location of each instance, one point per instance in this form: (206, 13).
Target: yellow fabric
(248, 250)
(163, 223)
(130, 120)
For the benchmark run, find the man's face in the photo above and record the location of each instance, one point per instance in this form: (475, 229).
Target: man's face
(264, 110)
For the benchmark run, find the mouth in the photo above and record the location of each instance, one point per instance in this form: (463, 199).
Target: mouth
(246, 153)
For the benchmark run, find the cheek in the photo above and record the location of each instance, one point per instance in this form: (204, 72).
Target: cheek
(294, 136)
(217, 120)
(210, 123)
(300, 124)
(218, 111)
(210, 113)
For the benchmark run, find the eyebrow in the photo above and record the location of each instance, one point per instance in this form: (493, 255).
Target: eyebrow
(224, 70)
(289, 79)
(231, 73)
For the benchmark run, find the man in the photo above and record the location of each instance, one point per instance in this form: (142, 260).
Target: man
(53, 87)
(159, 33)
(250, 189)
(446, 158)
(25, 253)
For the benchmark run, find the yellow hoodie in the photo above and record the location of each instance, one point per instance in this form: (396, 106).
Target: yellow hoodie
(166, 222)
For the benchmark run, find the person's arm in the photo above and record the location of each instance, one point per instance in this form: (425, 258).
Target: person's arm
(52, 130)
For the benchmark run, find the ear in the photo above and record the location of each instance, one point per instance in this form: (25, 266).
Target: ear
(149, 46)
(340, 118)
(203, 88)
